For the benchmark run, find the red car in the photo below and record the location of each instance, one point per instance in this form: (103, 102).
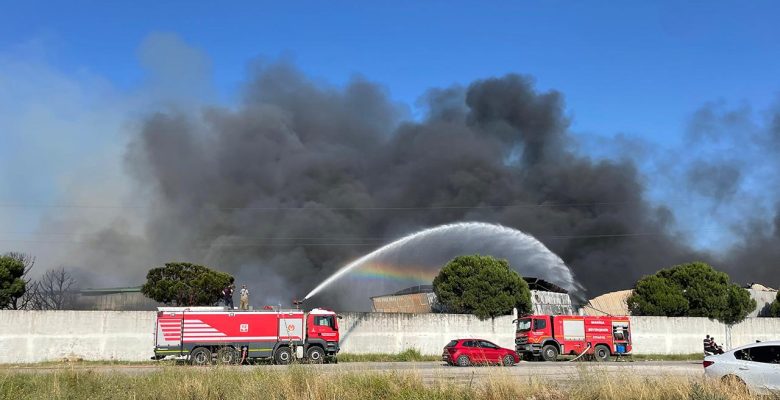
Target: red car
(465, 352)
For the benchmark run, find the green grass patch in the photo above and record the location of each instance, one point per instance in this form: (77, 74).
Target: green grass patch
(667, 357)
(404, 356)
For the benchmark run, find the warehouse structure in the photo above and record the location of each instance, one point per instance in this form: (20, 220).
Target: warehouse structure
(546, 298)
(615, 303)
(116, 299)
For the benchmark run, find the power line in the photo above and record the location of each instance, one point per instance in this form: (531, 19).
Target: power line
(326, 208)
(202, 246)
(347, 241)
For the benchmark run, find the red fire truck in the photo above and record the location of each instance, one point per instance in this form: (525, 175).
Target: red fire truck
(547, 336)
(207, 334)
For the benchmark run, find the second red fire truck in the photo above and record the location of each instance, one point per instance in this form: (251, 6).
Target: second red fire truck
(548, 336)
(216, 334)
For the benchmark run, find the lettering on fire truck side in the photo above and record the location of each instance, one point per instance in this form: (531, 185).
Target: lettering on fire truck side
(604, 330)
(244, 327)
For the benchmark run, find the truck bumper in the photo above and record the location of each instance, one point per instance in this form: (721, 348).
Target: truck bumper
(162, 352)
(529, 348)
(331, 348)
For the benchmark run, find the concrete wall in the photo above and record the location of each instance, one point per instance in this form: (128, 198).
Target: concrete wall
(392, 333)
(32, 336)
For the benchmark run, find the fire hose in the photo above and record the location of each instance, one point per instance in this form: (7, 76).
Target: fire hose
(581, 354)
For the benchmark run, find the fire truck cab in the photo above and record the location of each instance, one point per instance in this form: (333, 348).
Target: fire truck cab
(548, 336)
(204, 335)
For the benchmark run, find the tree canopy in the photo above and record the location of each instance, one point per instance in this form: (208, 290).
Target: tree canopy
(12, 283)
(481, 285)
(691, 290)
(185, 284)
(774, 310)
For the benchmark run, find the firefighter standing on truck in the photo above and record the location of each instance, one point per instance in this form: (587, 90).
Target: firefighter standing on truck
(244, 304)
(227, 294)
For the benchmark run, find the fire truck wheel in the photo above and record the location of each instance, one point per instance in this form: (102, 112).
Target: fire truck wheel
(601, 353)
(283, 356)
(315, 355)
(549, 353)
(463, 361)
(227, 355)
(200, 356)
(508, 360)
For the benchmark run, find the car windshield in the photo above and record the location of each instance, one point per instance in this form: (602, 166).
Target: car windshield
(524, 325)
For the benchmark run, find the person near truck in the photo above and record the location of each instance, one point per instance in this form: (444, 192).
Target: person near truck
(710, 347)
(244, 304)
(227, 295)
(716, 349)
(707, 344)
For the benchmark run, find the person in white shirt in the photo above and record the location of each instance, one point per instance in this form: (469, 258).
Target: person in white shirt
(244, 304)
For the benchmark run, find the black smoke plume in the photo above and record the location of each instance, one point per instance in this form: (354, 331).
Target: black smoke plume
(300, 178)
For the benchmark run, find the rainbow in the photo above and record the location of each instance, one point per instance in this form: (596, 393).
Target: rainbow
(398, 273)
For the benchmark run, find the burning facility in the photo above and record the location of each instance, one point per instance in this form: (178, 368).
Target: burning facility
(546, 298)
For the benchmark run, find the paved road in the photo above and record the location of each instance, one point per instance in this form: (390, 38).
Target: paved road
(436, 371)
(559, 371)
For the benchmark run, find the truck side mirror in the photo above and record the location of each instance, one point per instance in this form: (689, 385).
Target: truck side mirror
(514, 321)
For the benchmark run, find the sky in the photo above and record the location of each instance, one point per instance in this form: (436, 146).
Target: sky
(632, 73)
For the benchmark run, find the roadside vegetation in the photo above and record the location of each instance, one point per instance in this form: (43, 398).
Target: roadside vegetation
(774, 311)
(185, 284)
(667, 357)
(404, 356)
(481, 285)
(409, 355)
(691, 290)
(297, 382)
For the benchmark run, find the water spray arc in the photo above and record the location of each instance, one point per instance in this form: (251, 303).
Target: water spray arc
(526, 253)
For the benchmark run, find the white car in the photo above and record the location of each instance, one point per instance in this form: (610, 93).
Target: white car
(756, 365)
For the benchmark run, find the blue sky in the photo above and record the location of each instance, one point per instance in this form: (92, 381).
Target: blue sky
(638, 67)
(634, 68)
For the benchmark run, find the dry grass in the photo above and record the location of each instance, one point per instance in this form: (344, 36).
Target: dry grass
(299, 382)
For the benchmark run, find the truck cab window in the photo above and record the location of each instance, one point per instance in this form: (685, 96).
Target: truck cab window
(323, 321)
(539, 324)
(524, 325)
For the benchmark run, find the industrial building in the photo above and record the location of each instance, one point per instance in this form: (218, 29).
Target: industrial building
(615, 303)
(116, 299)
(414, 300)
(546, 298)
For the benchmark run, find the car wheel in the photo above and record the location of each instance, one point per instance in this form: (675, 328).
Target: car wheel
(463, 361)
(508, 360)
(200, 356)
(601, 353)
(315, 355)
(283, 356)
(549, 353)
